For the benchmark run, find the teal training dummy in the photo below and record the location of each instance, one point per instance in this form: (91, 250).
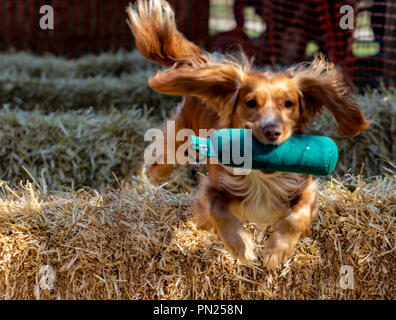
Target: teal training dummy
(300, 153)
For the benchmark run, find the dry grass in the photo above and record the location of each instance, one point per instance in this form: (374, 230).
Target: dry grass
(141, 243)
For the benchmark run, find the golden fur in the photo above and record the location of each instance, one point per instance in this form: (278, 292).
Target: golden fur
(228, 94)
(265, 196)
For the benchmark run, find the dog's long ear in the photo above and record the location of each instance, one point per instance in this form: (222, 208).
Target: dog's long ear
(320, 85)
(218, 84)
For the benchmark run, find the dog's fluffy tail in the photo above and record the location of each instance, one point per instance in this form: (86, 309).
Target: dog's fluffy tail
(153, 25)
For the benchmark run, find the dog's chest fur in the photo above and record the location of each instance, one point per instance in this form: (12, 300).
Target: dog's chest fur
(266, 196)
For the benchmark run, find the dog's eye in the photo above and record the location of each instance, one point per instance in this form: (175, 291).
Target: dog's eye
(251, 103)
(289, 104)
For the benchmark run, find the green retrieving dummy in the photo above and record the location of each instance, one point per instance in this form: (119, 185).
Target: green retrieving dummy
(238, 148)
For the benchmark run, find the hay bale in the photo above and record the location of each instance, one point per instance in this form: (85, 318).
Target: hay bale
(54, 83)
(49, 136)
(111, 65)
(76, 93)
(141, 243)
(85, 147)
(72, 148)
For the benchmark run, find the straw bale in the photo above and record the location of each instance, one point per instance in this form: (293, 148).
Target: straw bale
(52, 67)
(90, 147)
(73, 148)
(54, 83)
(140, 242)
(50, 136)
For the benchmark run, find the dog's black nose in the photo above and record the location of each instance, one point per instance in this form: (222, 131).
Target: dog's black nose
(272, 132)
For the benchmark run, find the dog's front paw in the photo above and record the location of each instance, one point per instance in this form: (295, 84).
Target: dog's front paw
(278, 249)
(274, 257)
(203, 223)
(240, 244)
